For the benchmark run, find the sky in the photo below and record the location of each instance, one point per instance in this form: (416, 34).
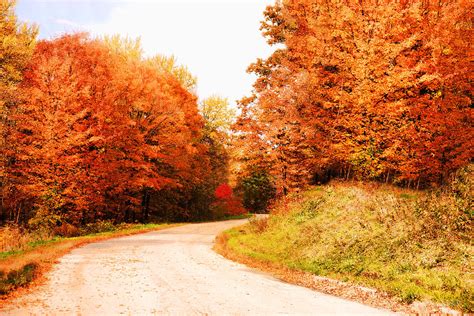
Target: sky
(216, 39)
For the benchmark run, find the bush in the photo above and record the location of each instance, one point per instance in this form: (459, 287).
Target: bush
(17, 278)
(258, 225)
(218, 210)
(44, 223)
(66, 230)
(448, 210)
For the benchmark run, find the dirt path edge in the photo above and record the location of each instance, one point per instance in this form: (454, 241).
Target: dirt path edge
(346, 290)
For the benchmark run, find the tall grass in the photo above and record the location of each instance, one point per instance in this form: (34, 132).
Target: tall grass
(13, 238)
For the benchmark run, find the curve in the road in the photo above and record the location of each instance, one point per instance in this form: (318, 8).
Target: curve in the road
(173, 271)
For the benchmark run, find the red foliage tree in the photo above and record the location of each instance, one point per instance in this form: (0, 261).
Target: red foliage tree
(225, 200)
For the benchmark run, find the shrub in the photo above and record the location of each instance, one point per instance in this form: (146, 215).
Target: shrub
(17, 278)
(258, 224)
(448, 210)
(66, 230)
(43, 223)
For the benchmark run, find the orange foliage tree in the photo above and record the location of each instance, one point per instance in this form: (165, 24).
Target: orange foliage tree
(18, 41)
(96, 131)
(373, 89)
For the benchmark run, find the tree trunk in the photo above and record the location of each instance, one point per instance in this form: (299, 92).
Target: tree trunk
(146, 205)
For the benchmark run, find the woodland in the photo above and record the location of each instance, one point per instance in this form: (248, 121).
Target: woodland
(92, 130)
(370, 90)
(357, 136)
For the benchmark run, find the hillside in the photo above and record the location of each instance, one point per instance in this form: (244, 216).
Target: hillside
(414, 245)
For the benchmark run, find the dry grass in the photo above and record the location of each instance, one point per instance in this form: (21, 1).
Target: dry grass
(12, 238)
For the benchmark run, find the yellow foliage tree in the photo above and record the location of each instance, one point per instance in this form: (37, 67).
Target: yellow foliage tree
(125, 46)
(217, 114)
(169, 64)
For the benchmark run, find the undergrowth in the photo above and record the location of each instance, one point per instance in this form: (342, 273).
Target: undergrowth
(414, 245)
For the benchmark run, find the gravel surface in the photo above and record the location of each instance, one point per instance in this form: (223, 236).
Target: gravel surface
(171, 272)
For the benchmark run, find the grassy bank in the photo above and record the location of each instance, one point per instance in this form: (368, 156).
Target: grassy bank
(412, 245)
(19, 267)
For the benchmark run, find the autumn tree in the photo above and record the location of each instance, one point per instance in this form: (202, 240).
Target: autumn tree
(375, 89)
(218, 117)
(18, 40)
(169, 64)
(131, 49)
(17, 43)
(217, 113)
(97, 130)
(199, 198)
(226, 203)
(126, 46)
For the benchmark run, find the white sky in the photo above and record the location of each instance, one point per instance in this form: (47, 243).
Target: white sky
(217, 40)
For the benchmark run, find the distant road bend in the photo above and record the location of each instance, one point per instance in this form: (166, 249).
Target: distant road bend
(173, 271)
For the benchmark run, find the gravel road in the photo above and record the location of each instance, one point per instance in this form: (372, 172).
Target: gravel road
(171, 272)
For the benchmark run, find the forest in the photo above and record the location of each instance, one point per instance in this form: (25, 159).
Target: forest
(372, 90)
(92, 130)
(364, 106)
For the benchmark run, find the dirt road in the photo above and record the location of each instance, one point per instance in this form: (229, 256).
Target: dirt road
(172, 271)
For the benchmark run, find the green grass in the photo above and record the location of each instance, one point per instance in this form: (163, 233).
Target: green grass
(30, 246)
(231, 217)
(405, 243)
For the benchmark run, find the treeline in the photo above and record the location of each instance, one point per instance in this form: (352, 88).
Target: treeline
(379, 90)
(92, 130)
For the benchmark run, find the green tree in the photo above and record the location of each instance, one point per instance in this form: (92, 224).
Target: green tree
(257, 190)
